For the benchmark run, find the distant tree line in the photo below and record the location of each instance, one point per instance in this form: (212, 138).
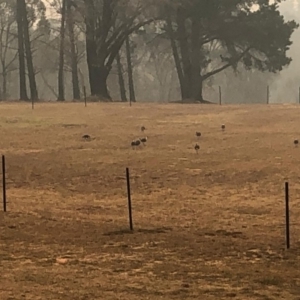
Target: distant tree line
(129, 49)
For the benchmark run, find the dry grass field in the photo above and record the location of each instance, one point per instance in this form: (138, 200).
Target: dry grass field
(206, 226)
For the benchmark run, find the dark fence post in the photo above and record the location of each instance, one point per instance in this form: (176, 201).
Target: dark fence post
(220, 95)
(287, 216)
(268, 94)
(3, 183)
(32, 103)
(129, 199)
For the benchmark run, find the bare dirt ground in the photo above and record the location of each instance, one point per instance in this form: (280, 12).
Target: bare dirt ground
(207, 226)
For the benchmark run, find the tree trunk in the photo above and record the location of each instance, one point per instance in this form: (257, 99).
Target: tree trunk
(130, 71)
(3, 92)
(104, 40)
(21, 53)
(121, 79)
(98, 73)
(195, 79)
(171, 87)
(98, 82)
(4, 86)
(176, 58)
(184, 51)
(74, 64)
(91, 54)
(27, 44)
(61, 84)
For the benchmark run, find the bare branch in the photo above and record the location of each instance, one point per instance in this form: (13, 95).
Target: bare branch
(229, 64)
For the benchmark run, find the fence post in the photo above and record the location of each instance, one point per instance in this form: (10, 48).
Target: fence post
(268, 94)
(129, 199)
(3, 183)
(220, 95)
(287, 216)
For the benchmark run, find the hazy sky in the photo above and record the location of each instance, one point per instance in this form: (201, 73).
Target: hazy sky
(286, 88)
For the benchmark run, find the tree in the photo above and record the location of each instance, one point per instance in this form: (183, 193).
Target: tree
(28, 51)
(8, 55)
(21, 52)
(121, 78)
(73, 54)
(130, 70)
(66, 48)
(26, 17)
(61, 87)
(251, 33)
(108, 24)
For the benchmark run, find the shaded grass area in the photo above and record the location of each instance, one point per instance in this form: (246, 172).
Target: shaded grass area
(207, 226)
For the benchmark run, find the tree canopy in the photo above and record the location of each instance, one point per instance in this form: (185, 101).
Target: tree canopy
(251, 33)
(88, 43)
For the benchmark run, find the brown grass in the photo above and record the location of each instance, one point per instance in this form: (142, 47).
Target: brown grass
(207, 226)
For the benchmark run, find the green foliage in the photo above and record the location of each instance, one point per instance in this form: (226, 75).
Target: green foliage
(251, 32)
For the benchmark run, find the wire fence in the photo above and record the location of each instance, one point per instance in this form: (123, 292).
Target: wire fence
(267, 96)
(220, 97)
(129, 202)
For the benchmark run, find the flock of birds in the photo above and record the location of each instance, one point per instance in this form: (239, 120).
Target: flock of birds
(137, 142)
(134, 143)
(198, 135)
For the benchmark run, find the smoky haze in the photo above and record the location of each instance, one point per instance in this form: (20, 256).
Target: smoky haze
(285, 88)
(153, 70)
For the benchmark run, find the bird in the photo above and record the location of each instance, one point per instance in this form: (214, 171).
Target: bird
(296, 142)
(135, 143)
(144, 140)
(197, 148)
(143, 128)
(223, 127)
(198, 134)
(86, 137)
(132, 144)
